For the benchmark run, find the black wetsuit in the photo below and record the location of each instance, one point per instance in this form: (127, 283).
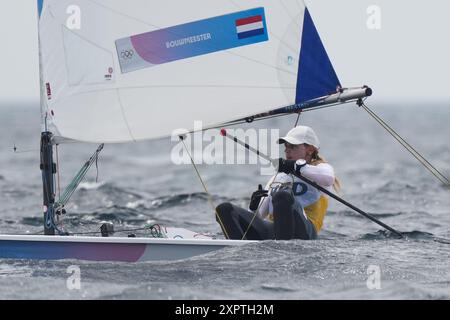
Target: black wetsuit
(289, 221)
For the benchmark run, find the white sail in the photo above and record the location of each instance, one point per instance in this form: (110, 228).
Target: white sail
(118, 71)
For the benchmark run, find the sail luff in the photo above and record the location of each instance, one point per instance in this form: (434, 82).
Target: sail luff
(42, 103)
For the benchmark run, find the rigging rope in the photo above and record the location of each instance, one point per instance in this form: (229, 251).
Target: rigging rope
(155, 231)
(57, 171)
(73, 185)
(298, 118)
(443, 179)
(58, 178)
(210, 198)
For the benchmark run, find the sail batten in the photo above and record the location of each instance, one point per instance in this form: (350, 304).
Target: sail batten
(141, 69)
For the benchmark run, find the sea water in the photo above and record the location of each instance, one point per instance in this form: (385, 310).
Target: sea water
(138, 184)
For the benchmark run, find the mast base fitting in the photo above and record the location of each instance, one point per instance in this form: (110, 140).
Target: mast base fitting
(107, 229)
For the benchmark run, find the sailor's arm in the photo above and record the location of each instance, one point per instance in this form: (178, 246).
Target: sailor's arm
(322, 174)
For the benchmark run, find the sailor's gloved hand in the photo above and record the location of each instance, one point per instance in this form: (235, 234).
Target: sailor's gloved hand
(256, 198)
(290, 166)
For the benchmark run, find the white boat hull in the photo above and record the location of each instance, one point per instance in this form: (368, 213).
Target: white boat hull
(107, 248)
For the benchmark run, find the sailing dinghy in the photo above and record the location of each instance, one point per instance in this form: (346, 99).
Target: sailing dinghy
(122, 71)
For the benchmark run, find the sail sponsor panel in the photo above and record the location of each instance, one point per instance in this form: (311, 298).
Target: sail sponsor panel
(192, 39)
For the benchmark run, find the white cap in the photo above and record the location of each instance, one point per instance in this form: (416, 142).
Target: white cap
(300, 135)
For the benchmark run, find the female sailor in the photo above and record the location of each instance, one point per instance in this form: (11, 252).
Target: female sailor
(287, 208)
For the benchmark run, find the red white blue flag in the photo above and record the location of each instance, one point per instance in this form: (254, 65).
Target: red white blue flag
(250, 27)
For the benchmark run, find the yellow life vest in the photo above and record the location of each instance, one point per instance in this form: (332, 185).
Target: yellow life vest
(316, 212)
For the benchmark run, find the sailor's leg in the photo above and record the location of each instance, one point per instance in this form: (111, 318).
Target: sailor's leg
(304, 228)
(283, 215)
(289, 221)
(236, 221)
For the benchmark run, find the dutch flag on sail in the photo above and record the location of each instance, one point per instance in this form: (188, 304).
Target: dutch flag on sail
(250, 27)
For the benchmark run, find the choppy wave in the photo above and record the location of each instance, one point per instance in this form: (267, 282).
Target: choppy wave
(327, 235)
(121, 199)
(442, 240)
(354, 214)
(385, 234)
(107, 188)
(277, 288)
(175, 200)
(91, 185)
(16, 193)
(379, 180)
(178, 199)
(395, 186)
(32, 221)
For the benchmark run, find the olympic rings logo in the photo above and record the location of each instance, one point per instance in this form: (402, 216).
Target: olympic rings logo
(127, 54)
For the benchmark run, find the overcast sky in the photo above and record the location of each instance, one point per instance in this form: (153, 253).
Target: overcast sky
(406, 60)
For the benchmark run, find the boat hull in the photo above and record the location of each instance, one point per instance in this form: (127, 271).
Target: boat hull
(107, 249)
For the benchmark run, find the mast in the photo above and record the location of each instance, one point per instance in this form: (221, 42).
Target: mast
(47, 166)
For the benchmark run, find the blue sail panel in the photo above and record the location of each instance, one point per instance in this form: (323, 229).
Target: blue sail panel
(316, 76)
